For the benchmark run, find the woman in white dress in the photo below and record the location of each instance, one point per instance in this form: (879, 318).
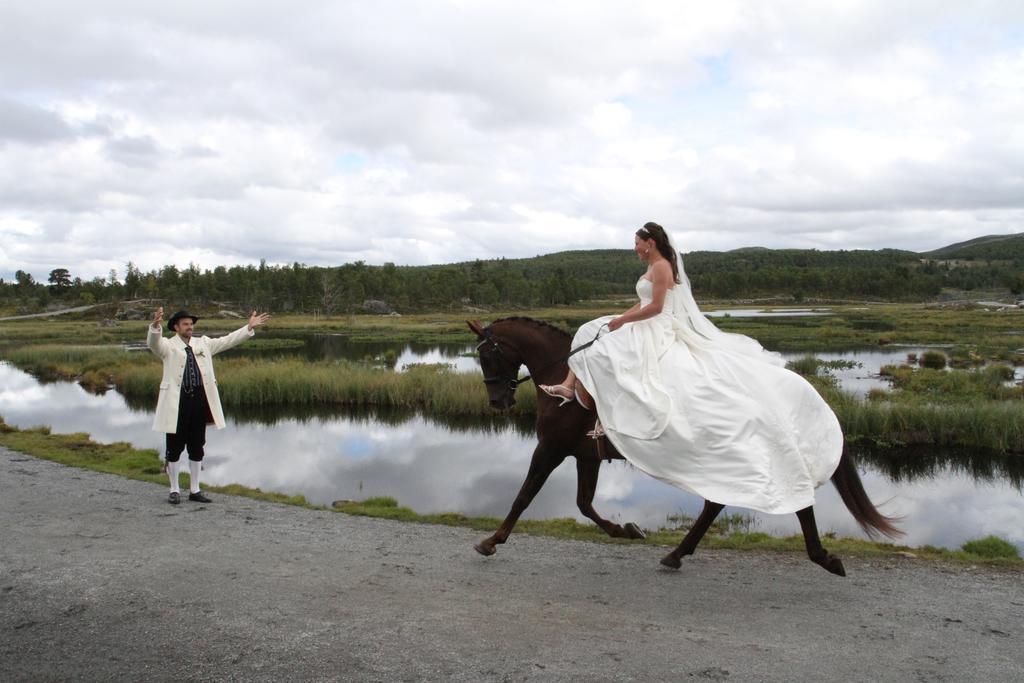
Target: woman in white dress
(710, 412)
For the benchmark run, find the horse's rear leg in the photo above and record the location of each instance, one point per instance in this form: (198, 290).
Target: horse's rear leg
(815, 550)
(697, 531)
(587, 469)
(542, 465)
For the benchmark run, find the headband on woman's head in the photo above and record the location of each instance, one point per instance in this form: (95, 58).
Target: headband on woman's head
(649, 230)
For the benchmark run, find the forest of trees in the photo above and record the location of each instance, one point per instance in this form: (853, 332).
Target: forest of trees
(561, 278)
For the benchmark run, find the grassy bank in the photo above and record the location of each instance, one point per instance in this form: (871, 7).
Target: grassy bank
(947, 409)
(989, 425)
(77, 450)
(987, 334)
(245, 381)
(843, 327)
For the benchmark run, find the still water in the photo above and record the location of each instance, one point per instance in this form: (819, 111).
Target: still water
(767, 312)
(477, 468)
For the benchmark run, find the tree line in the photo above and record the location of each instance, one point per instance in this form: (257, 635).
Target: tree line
(562, 278)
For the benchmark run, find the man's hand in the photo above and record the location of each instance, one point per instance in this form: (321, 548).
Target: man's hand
(255, 320)
(158, 318)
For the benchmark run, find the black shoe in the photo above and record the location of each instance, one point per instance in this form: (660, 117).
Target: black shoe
(199, 498)
(174, 498)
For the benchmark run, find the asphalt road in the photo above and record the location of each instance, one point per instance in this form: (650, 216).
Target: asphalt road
(101, 579)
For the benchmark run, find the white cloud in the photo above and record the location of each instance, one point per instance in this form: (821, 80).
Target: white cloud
(436, 132)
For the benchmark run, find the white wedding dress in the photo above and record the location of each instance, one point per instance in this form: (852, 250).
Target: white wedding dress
(707, 411)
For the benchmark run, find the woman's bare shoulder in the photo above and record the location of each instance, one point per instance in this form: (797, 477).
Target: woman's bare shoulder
(662, 268)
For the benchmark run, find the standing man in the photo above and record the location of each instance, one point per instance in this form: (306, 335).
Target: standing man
(188, 391)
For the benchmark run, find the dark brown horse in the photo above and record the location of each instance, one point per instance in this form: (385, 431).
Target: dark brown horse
(507, 344)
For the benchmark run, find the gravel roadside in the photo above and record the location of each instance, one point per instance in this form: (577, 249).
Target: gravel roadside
(101, 579)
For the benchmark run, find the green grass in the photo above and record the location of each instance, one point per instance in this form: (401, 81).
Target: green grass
(991, 547)
(989, 425)
(72, 360)
(924, 384)
(847, 327)
(255, 382)
(986, 334)
(957, 408)
(732, 532)
(935, 360)
(273, 344)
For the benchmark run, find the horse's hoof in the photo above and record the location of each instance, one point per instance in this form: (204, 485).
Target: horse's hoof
(671, 561)
(832, 564)
(484, 548)
(633, 531)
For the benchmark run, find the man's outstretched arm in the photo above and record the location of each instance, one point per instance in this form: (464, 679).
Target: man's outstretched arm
(238, 336)
(155, 339)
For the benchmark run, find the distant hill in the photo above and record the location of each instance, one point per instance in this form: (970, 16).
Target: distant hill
(989, 247)
(993, 264)
(742, 250)
(883, 274)
(752, 271)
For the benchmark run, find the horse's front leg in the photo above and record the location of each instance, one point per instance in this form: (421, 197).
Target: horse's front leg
(545, 460)
(587, 469)
(697, 531)
(815, 550)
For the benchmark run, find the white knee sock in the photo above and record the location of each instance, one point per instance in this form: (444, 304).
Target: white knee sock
(193, 475)
(172, 473)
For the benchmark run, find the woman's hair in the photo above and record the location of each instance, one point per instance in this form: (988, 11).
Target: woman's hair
(653, 231)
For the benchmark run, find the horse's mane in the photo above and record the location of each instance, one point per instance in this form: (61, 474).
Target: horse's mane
(534, 322)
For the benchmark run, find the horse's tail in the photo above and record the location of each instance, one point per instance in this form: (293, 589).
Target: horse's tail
(851, 490)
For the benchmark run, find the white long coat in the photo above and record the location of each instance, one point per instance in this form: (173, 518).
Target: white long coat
(172, 351)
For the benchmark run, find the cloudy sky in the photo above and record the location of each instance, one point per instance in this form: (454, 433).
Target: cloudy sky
(325, 132)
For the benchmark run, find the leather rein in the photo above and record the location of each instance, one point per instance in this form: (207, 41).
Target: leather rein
(514, 382)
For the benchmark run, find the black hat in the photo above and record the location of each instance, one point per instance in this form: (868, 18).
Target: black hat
(173, 322)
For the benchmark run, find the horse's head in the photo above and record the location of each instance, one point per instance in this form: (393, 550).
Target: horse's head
(500, 363)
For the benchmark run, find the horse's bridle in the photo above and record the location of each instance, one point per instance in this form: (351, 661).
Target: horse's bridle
(514, 382)
(511, 381)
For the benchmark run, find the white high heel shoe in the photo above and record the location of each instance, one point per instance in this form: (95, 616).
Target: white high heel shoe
(549, 389)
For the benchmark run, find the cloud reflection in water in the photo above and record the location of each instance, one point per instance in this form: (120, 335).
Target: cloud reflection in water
(433, 467)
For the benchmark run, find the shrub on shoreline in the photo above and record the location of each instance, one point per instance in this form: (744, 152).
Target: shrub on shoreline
(991, 547)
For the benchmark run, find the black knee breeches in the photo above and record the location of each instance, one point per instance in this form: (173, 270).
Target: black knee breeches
(193, 413)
